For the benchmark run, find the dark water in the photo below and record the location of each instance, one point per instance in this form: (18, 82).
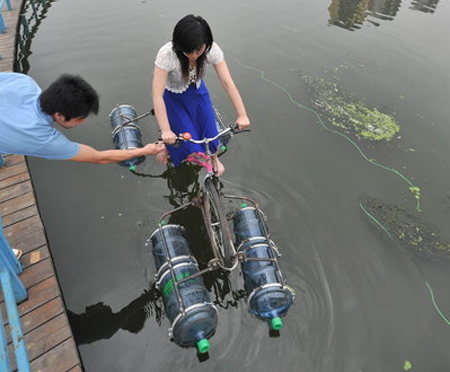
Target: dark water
(362, 302)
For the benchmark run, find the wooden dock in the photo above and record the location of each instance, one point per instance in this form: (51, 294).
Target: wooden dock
(48, 336)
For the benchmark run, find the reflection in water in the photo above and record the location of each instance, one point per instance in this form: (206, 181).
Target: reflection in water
(426, 6)
(351, 14)
(385, 10)
(100, 322)
(31, 15)
(183, 183)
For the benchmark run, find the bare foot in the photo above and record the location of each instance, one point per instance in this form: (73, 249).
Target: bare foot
(219, 168)
(163, 156)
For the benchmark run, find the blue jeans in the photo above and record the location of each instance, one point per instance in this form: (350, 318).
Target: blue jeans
(2, 161)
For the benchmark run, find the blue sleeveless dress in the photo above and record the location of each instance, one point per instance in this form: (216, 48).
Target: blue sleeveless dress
(191, 111)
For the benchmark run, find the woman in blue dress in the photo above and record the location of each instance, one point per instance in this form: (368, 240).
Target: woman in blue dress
(180, 98)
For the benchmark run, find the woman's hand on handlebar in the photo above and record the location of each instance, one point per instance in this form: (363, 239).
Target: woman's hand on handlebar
(242, 122)
(168, 137)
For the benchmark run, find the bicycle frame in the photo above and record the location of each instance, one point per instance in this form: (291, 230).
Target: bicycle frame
(210, 178)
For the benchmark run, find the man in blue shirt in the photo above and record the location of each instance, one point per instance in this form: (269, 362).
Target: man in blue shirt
(27, 116)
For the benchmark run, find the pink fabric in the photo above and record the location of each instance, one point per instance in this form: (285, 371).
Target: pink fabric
(202, 159)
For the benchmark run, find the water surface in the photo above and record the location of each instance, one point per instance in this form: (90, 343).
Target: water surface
(362, 303)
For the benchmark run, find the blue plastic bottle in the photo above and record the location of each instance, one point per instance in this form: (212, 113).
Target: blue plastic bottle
(126, 132)
(188, 305)
(268, 296)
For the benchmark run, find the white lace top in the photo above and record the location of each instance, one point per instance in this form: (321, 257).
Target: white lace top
(168, 61)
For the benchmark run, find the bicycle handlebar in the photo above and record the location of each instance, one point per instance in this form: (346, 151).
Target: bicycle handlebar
(186, 136)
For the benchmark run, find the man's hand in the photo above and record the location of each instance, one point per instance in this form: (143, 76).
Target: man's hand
(87, 154)
(154, 148)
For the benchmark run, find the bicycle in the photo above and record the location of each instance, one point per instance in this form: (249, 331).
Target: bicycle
(187, 302)
(188, 305)
(210, 199)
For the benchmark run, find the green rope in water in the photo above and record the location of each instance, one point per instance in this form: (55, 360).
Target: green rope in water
(377, 222)
(412, 187)
(436, 307)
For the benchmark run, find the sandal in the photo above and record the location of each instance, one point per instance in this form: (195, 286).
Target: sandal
(202, 159)
(18, 253)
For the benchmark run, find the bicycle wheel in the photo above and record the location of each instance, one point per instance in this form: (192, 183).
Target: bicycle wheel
(216, 222)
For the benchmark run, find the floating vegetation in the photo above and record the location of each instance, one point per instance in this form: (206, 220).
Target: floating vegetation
(407, 228)
(343, 111)
(407, 365)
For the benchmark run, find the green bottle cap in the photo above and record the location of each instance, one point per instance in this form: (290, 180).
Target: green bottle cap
(203, 346)
(244, 205)
(276, 323)
(132, 168)
(223, 148)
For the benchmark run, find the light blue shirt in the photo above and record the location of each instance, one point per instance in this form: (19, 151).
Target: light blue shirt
(24, 128)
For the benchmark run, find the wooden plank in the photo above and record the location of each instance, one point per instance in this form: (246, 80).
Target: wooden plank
(35, 256)
(27, 226)
(6, 172)
(26, 235)
(36, 274)
(20, 215)
(11, 159)
(40, 316)
(59, 359)
(15, 191)
(21, 177)
(45, 338)
(75, 369)
(39, 295)
(28, 242)
(14, 205)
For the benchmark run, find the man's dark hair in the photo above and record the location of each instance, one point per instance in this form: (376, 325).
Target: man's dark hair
(71, 96)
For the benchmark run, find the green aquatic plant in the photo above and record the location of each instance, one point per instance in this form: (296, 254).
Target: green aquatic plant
(309, 81)
(353, 116)
(407, 228)
(407, 365)
(416, 191)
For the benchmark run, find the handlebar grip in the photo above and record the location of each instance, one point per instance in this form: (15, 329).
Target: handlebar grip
(235, 129)
(175, 144)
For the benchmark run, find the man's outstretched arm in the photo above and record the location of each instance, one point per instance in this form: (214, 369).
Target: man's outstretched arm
(88, 154)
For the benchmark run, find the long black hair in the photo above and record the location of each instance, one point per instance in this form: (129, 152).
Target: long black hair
(189, 34)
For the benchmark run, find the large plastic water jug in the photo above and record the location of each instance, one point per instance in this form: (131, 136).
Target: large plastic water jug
(268, 296)
(126, 132)
(186, 300)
